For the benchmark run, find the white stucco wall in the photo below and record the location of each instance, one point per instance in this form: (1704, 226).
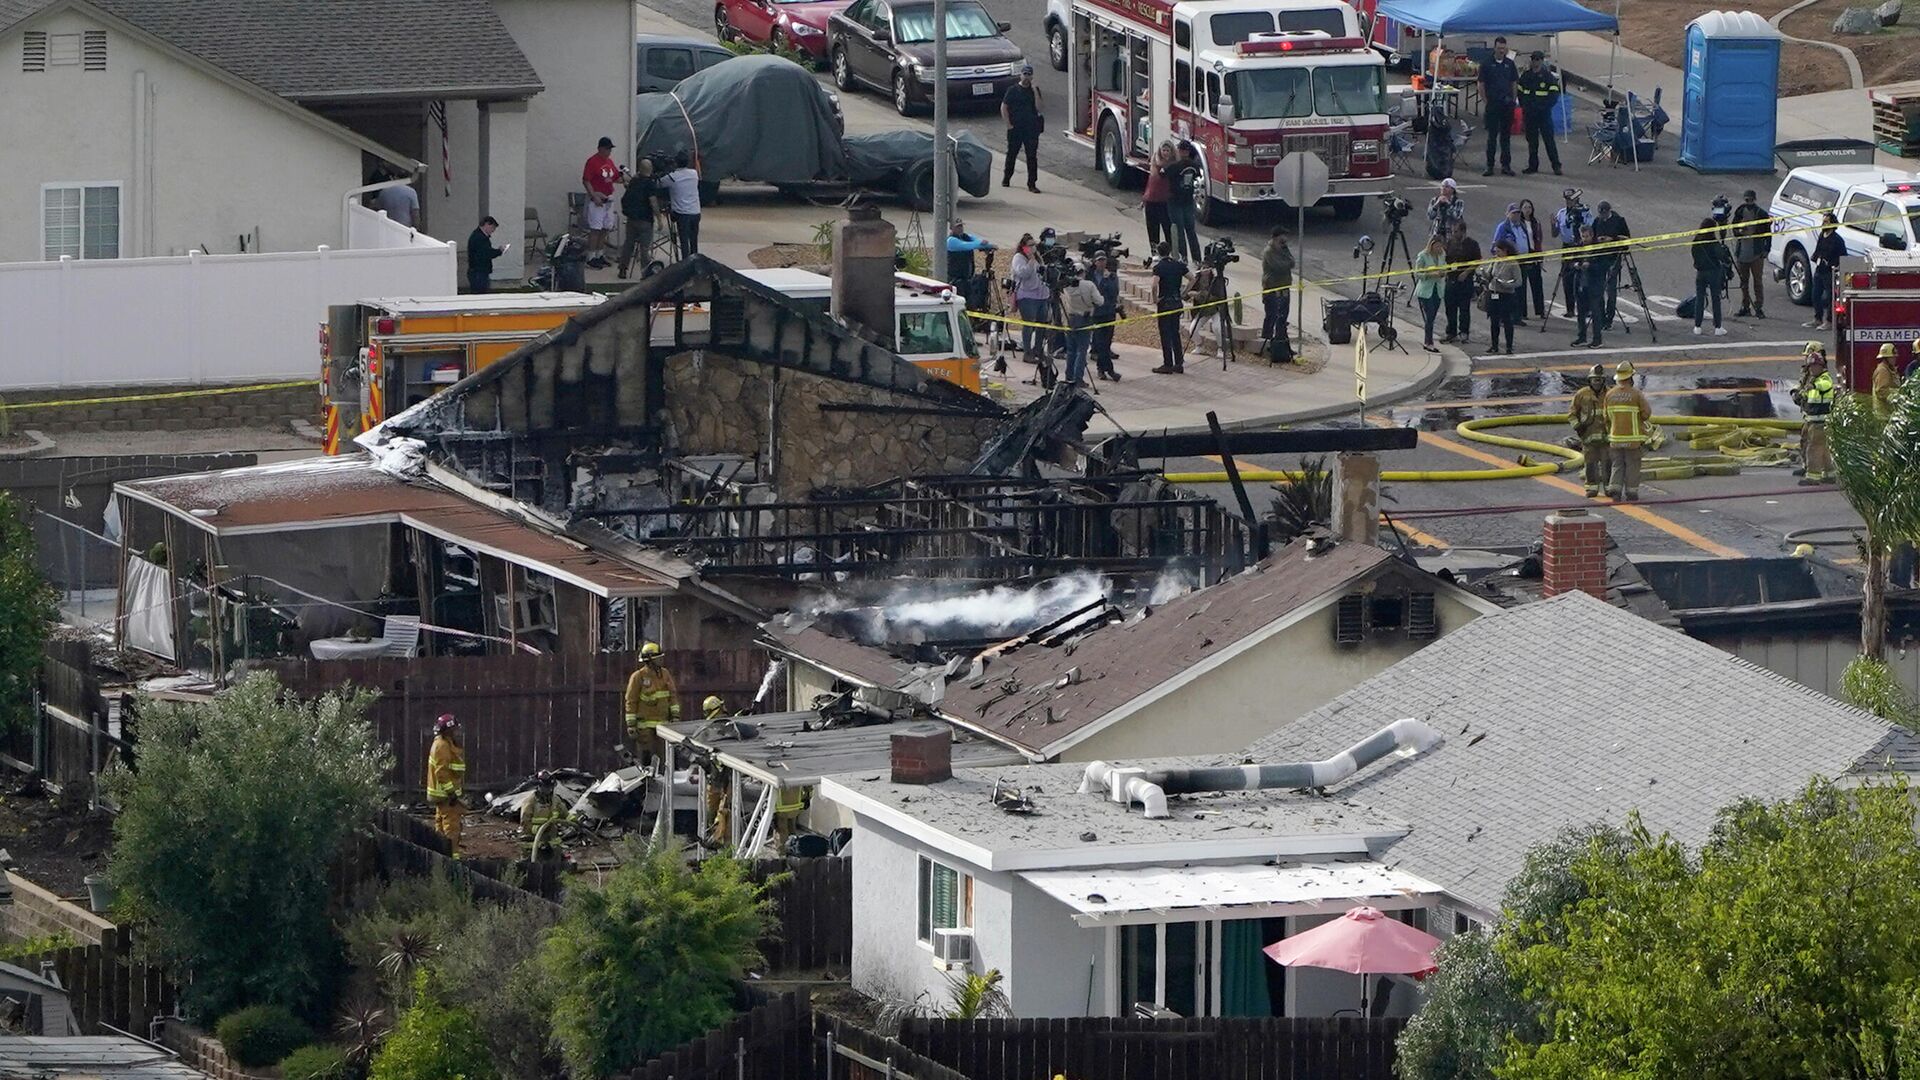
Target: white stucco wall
(583, 52)
(889, 962)
(1056, 958)
(1255, 693)
(221, 162)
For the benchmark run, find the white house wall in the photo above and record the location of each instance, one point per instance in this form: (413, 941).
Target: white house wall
(583, 53)
(1057, 958)
(888, 960)
(221, 163)
(1262, 689)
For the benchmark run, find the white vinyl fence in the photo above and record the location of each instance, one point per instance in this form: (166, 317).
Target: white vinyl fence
(201, 318)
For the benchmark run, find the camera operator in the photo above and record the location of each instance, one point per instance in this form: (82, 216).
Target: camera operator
(1169, 273)
(1463, 255)
(1595, 271)
(1030, 297)
(1276, 285)
(1446, 209)
(639, 205)
(1711, 262)
(1568, 221)
(1611, 229)
(960, 248)
(1079, 299)
(1101, 347)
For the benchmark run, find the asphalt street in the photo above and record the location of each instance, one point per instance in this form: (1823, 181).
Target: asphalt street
(1661, 197)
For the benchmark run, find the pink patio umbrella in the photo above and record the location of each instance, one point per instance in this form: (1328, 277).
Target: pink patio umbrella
(1363, 941)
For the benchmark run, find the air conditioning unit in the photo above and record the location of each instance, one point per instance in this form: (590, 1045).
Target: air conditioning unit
(952, 948)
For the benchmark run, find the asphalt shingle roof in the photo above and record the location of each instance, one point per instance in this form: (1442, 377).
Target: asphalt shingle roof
(314, 50)
(1570, 711)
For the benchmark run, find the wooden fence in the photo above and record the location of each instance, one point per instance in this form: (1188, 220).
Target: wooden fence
(105, 985)
(814, 907)
(1091, 1048)
(850, 1052)
(770, 1040)
(519, 713)
(63, 740)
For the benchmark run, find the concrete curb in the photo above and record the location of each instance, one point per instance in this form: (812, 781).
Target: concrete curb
(38, 442)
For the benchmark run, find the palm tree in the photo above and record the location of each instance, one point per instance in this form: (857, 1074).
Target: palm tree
(1877, 460)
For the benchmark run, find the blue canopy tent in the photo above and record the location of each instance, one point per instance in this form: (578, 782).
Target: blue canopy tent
(1502, 17)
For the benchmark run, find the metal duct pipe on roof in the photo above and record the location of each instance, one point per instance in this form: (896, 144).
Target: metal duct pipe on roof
(1151, 788)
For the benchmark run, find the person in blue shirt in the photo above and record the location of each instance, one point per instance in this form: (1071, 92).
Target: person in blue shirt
(1498, 78)
(960, 248)
(1514, 232)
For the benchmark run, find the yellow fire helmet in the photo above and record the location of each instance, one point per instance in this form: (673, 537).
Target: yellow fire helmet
(1812, 348)
(1886, 351)
(650, 650)
(1623, 372)
(713, 706)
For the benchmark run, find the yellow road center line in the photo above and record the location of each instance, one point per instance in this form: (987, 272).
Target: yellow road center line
(1713, 361)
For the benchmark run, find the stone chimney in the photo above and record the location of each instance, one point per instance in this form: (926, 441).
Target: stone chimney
(1356, 497)
(1573, 554)
(922, 754)
(863, 272)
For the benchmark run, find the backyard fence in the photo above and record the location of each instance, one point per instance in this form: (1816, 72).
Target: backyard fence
(1125, 1048)
(106, 987)
(518, 714)
(71, 737)
(769, 1040)
(814, 909)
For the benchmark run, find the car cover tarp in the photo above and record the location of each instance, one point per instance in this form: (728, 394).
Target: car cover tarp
(759, 118)
(880, 158)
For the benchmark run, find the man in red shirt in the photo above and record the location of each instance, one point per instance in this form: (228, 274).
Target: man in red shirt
(599, 177)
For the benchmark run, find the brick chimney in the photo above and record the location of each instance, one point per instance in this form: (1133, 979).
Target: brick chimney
(863, 245)
(922, 754)
(1574, 554)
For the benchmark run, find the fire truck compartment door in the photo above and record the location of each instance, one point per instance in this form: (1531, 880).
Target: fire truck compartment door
(1161, 54)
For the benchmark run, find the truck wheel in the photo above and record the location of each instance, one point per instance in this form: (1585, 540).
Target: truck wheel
(1112, 157)
(1799, 276)
(1057, 46)
(916, 186)
(1208, 210)
(1349, 208)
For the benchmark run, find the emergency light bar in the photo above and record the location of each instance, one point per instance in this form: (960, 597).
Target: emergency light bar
(1296, 41)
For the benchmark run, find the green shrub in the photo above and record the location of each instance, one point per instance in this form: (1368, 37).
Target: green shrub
(1870, 684)
(261, 1035)
(433, 1041)
(491, 968)
(26, 610)
(646, 962)
(317, 1062)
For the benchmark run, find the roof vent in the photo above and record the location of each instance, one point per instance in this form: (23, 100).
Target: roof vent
(33, 51)
(1349, 619)
(93, 50)
(1423, 622)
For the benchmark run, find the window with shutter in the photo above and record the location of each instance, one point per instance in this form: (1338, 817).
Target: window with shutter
(33, 50)
(945, 899)
(93, 51)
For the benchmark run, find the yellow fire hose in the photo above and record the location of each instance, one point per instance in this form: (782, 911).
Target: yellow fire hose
(1716, 433)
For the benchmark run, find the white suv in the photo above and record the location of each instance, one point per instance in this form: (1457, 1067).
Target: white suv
(1876, 209)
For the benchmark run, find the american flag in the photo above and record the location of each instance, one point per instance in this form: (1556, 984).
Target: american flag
(438, 110)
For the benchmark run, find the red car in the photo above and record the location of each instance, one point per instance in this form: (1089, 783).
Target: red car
(800, 25)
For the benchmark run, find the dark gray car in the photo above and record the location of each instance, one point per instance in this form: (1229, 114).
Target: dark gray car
(888, 45)
(660, 62)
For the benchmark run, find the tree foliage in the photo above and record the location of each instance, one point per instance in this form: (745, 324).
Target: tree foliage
(1876, 459)
(1785, 948)
(646, 962)
(1870, 684)
(433, 1041)
(26, 611)
(222, 846)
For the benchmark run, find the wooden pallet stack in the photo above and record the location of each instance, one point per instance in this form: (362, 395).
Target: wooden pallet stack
(1896, 118)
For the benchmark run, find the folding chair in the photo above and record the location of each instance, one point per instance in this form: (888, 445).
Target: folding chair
(401, 633)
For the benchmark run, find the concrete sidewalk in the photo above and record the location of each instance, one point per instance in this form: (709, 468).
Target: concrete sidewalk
(1249, 393)
(1584, 60)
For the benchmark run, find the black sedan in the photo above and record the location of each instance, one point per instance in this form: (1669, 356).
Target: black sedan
(888, 44)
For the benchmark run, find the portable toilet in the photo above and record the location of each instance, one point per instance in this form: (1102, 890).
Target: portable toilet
(1731, 90)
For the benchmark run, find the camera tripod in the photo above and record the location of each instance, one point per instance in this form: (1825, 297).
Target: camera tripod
(1397, 238)
(1210, 288)
(1639, 289)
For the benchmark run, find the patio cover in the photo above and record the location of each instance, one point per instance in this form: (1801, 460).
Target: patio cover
(1496, 16)
(1148, 894)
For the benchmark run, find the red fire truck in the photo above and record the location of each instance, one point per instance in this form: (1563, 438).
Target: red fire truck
(1246, 82)
(1873, 307)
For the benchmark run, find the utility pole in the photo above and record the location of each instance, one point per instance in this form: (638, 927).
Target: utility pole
(942, 150)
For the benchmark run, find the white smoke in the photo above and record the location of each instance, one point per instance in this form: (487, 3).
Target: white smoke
(1000, 611)
(766, 681)
(1169, 586)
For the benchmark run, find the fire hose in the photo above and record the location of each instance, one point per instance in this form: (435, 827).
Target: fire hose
(1740, 441)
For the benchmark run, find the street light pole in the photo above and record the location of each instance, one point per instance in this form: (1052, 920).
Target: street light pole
(942, 149)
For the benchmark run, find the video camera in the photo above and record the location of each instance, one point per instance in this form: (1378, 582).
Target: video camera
(1218, 253)
(1057, 268)
(1108, 245)
(1393, 210)
(1578, 216)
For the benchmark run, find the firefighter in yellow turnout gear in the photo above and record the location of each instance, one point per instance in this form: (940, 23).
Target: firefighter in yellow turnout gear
(1628, 414)
(540, 818)
(1885, 378)
(447, 779)
(1588, 417)
(719, 801)
(1815, 398)
(652, 700)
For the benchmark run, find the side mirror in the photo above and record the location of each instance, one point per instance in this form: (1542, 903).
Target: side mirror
(1004, 27)
(1223, 109)
(1893, 241)
(882, 35)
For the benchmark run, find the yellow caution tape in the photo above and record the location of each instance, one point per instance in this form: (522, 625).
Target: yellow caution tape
(168, 396)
